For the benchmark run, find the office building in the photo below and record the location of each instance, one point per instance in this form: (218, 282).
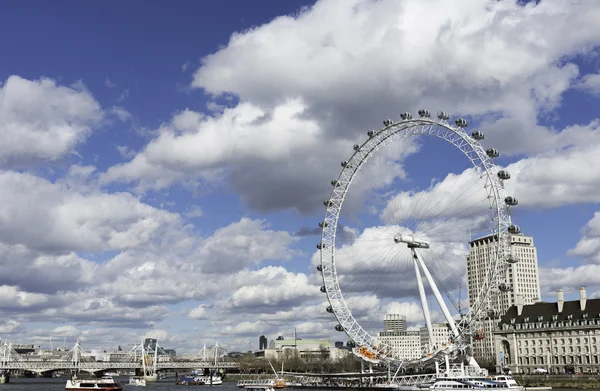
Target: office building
(262, 342)
(522, 278)
(394, 322)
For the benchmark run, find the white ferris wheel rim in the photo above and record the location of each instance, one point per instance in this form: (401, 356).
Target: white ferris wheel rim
(494, 186)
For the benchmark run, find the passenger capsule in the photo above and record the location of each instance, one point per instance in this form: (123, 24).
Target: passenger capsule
(320, 268)
(514, 229)
(334, 182)
(344, 163)
(512, 201)
(504, 287)
(512, 259)
(329, 309)
(323, 224)
(461, 123)
(339, 327)
(443, 115)
(492, 312)
(328, 203)
(504, 175)
(492, 152)
(320, 245)
(323, 289)
(406, 116)
(424, 113)
(370, 133)
(477, 135)
(387, 122)
(356, 147)
(478, 335)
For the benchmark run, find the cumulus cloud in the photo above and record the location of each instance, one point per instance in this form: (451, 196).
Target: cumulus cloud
(503, 62)
(50, 217)
(588, 246)
(43, 121)
(276, 288)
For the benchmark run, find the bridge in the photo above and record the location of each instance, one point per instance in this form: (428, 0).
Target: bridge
(76, 360)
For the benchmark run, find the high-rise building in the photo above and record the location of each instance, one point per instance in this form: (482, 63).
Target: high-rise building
(262, 342)
(394, 322)
(150, 344)
(522, 277)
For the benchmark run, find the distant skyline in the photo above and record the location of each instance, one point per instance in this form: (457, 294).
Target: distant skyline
(163, 166)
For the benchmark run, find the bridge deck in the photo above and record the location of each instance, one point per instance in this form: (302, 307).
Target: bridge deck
(43, 366)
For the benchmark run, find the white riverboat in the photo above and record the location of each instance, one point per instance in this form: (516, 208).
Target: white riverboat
(263, 385)
(138, 381)
(470, 383)
(200, 380)
(506, 379)
(105, 383)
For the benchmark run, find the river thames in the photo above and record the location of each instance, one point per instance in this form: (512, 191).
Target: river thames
(58, 384)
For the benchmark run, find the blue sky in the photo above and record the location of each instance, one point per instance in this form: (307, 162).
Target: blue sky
(164, 165)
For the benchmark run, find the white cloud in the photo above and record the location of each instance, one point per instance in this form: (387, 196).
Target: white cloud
(200, 312)
(10, 327)
(590, 83)
(588, 246)
(122, 114)
(195, 212)
(51, 217)
(124, 95)
(276, 288)
(40, 120)
(502, 61)
(109, 83)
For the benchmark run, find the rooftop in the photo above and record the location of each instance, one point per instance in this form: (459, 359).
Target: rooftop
(547, 310)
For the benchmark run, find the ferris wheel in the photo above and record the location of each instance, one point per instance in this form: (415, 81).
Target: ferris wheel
(416, 245)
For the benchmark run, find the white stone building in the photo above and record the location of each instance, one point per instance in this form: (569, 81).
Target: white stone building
(304, 348)
(406, 345)
(561, 337)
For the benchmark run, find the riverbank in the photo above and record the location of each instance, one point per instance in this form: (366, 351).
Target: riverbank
(581, 382)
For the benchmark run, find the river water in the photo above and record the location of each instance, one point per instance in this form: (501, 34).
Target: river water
(58, 384)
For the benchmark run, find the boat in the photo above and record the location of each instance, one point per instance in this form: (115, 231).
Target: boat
(471, 383)
(263, 385)
(506, 379)
(137, 381)
(200, 380)
(105, 383)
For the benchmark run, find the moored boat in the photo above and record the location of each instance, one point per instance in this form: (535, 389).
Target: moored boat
(137, 381)
(470, 383)
(263, 385)
(200, 380)
(105, 383)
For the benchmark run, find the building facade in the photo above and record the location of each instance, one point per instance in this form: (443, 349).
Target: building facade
(561, 337)
(441, 336)
(522, 278)
(406, 345)
(262, 342)
(394, 322)
(303, 348)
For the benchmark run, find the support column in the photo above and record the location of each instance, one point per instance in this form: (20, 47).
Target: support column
(437, 295)
(423, 297)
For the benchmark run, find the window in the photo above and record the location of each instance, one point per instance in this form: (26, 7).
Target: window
(555, 317)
